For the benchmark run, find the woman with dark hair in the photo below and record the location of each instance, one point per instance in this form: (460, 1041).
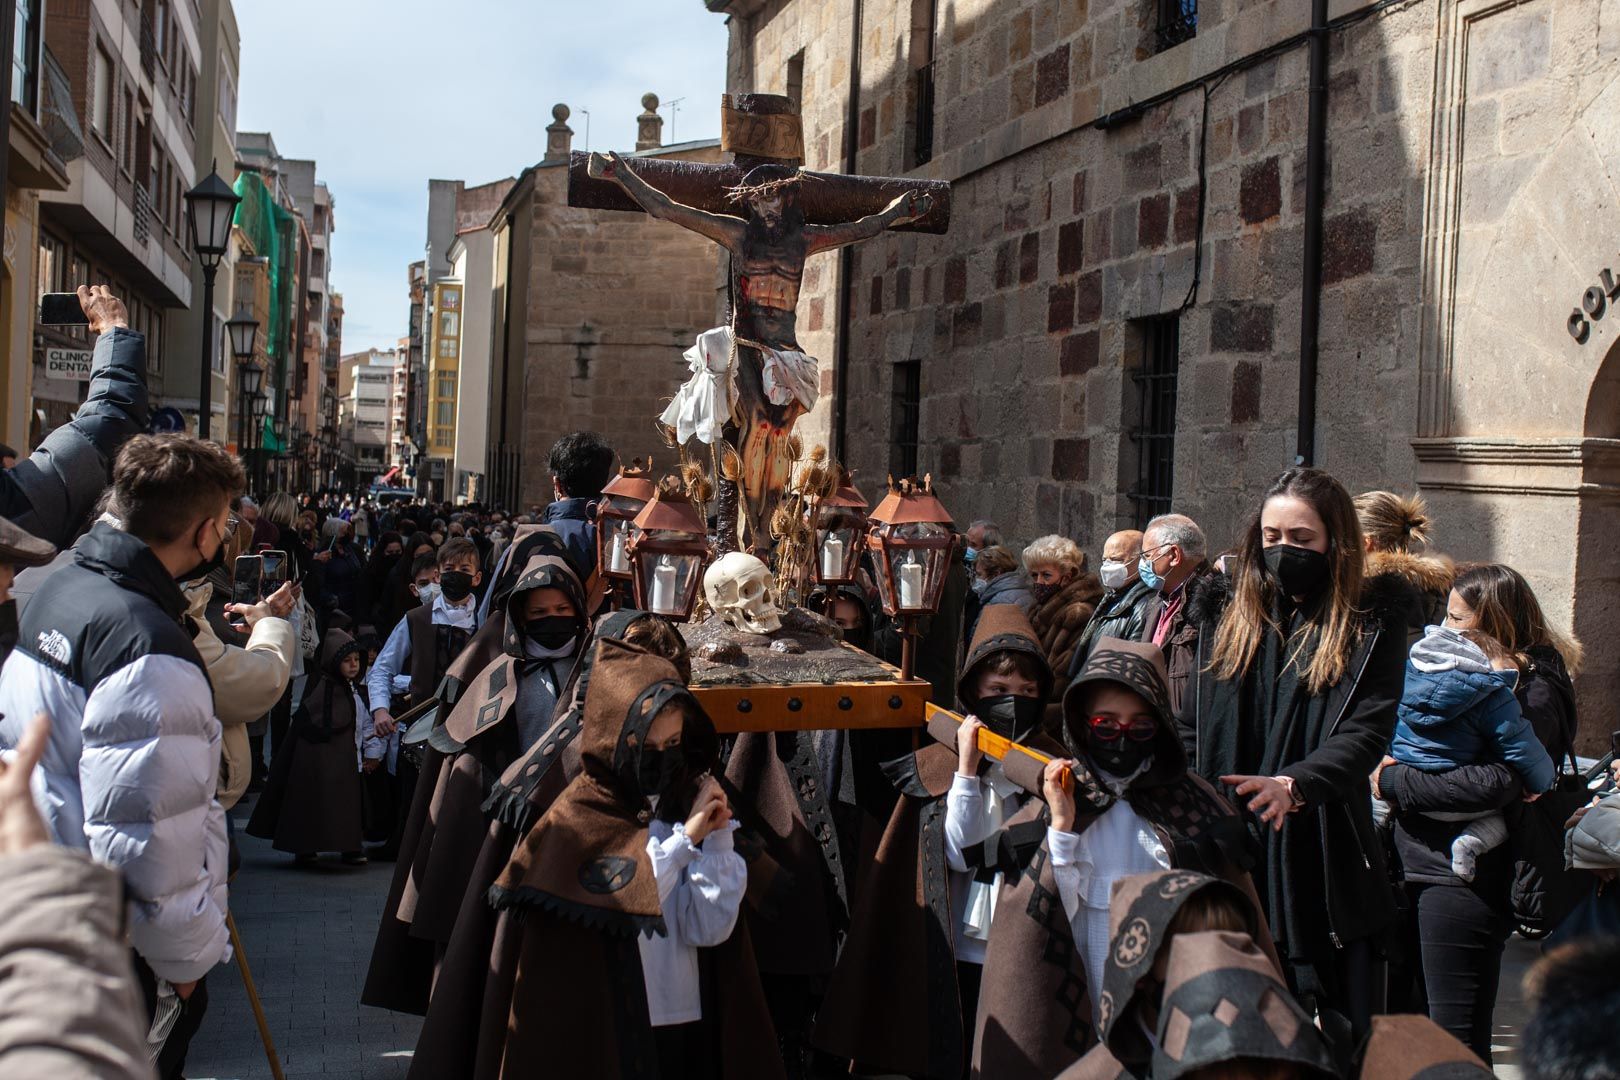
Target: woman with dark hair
(374, 582)
(397, 597)
(1300, 666)
(1461, 927)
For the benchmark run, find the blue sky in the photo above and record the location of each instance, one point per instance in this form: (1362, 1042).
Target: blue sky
(386, 94)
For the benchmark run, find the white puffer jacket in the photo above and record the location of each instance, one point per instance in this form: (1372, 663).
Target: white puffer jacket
(133, 761)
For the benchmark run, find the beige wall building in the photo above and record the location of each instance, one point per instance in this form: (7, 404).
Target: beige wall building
(1112, 324)
(592, 310)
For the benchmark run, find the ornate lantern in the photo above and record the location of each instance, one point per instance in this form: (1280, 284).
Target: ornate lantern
(911, 541)
(624, 497)
(668, 546)
(840, 525)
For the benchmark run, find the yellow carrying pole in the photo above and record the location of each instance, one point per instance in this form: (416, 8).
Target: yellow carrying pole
(253, 999)
(1000, 747)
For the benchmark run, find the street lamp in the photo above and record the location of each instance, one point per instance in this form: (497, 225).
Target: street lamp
(911, 542)
(210, 206)
(257, 402)
(243, 329)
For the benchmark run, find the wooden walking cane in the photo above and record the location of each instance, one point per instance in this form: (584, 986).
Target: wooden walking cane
(253, 999)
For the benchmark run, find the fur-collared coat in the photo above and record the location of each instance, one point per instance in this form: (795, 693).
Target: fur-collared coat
(1062, 618)
(1418, 586)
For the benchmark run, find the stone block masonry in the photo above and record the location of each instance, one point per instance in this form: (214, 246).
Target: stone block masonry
(1471, 159)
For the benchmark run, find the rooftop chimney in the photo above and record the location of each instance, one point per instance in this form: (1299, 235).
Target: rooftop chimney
(649, 125)
(559, 136)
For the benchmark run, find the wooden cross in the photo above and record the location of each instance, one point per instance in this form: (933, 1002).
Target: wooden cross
(770, 216)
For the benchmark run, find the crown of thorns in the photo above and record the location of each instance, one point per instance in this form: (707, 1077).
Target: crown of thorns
(763, 189)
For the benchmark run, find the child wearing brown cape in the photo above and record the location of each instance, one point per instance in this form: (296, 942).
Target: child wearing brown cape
(464, 1032)
(904, 994)
(312, 802)
(637, 847)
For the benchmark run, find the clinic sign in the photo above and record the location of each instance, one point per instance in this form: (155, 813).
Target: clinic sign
(70, 364)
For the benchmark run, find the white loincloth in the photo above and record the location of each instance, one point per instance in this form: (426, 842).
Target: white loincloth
(705, 403)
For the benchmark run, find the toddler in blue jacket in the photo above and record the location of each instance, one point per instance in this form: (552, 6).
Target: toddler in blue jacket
(1458, 709)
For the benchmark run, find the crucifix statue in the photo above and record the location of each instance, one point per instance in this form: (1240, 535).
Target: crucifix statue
(751, 381)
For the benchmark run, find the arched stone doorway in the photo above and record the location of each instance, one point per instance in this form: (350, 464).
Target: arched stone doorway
(1519, 449)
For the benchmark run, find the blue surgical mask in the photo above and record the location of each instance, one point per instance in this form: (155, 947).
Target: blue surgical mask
(1144, 573)
(970, 555)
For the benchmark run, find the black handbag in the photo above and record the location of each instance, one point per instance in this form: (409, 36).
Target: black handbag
(1543, 891)
(1596, 914)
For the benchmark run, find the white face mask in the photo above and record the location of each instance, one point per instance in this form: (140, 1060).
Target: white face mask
(427, 594)
(1114, 574)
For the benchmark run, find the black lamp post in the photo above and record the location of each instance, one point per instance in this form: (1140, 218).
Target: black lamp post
(256, 408)
(244, 329)
(210, 206)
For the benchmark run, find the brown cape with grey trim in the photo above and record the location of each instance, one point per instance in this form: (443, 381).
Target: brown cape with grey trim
(465, 755)
(464, 1033)
(893, 1005)
(584, 879)
(1141, 910)
(1035, 1015)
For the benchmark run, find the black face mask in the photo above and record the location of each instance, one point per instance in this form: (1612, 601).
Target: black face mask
(456, 585)
(206, 566)
(1122, 757)
(1011, 716)
(664, 773)
(1043, 593)
(1296, 571)
(551, 631)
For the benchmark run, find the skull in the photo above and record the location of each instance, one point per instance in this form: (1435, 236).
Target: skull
(738, 588)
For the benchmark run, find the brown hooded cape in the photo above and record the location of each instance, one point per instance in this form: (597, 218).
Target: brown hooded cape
(1035, 1016)
(466, 754)
(893, 1004)
(464, 1033)
(584, 879)
(1141, 911)
(312, 800)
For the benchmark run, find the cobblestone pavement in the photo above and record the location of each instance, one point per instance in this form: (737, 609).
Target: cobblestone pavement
(307, 935)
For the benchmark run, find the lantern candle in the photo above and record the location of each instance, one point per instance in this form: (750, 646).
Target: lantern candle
(618, 562)
(832, 558)
(911, 584)
(663, 592)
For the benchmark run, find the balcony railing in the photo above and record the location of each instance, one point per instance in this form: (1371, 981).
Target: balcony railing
(148, 49)
(143, 214)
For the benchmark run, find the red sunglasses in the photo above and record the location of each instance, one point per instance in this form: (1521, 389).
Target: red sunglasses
(1108, 729)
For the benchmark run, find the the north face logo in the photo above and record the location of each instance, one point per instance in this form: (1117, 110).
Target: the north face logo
(53, 645)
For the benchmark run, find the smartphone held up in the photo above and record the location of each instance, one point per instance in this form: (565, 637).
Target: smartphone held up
(62, 309)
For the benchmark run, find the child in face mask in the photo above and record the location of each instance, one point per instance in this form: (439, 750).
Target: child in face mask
(892, 951)
(1005, 689)
(620, 901)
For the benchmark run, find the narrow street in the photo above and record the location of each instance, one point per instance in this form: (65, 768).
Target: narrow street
(308, 936)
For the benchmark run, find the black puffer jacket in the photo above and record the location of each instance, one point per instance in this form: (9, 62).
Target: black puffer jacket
(53, 490)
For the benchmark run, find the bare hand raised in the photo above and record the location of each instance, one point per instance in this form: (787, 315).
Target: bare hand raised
(103, 310)
(968, 753)
(21, 827)
(1057, 788)
(710, 811)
